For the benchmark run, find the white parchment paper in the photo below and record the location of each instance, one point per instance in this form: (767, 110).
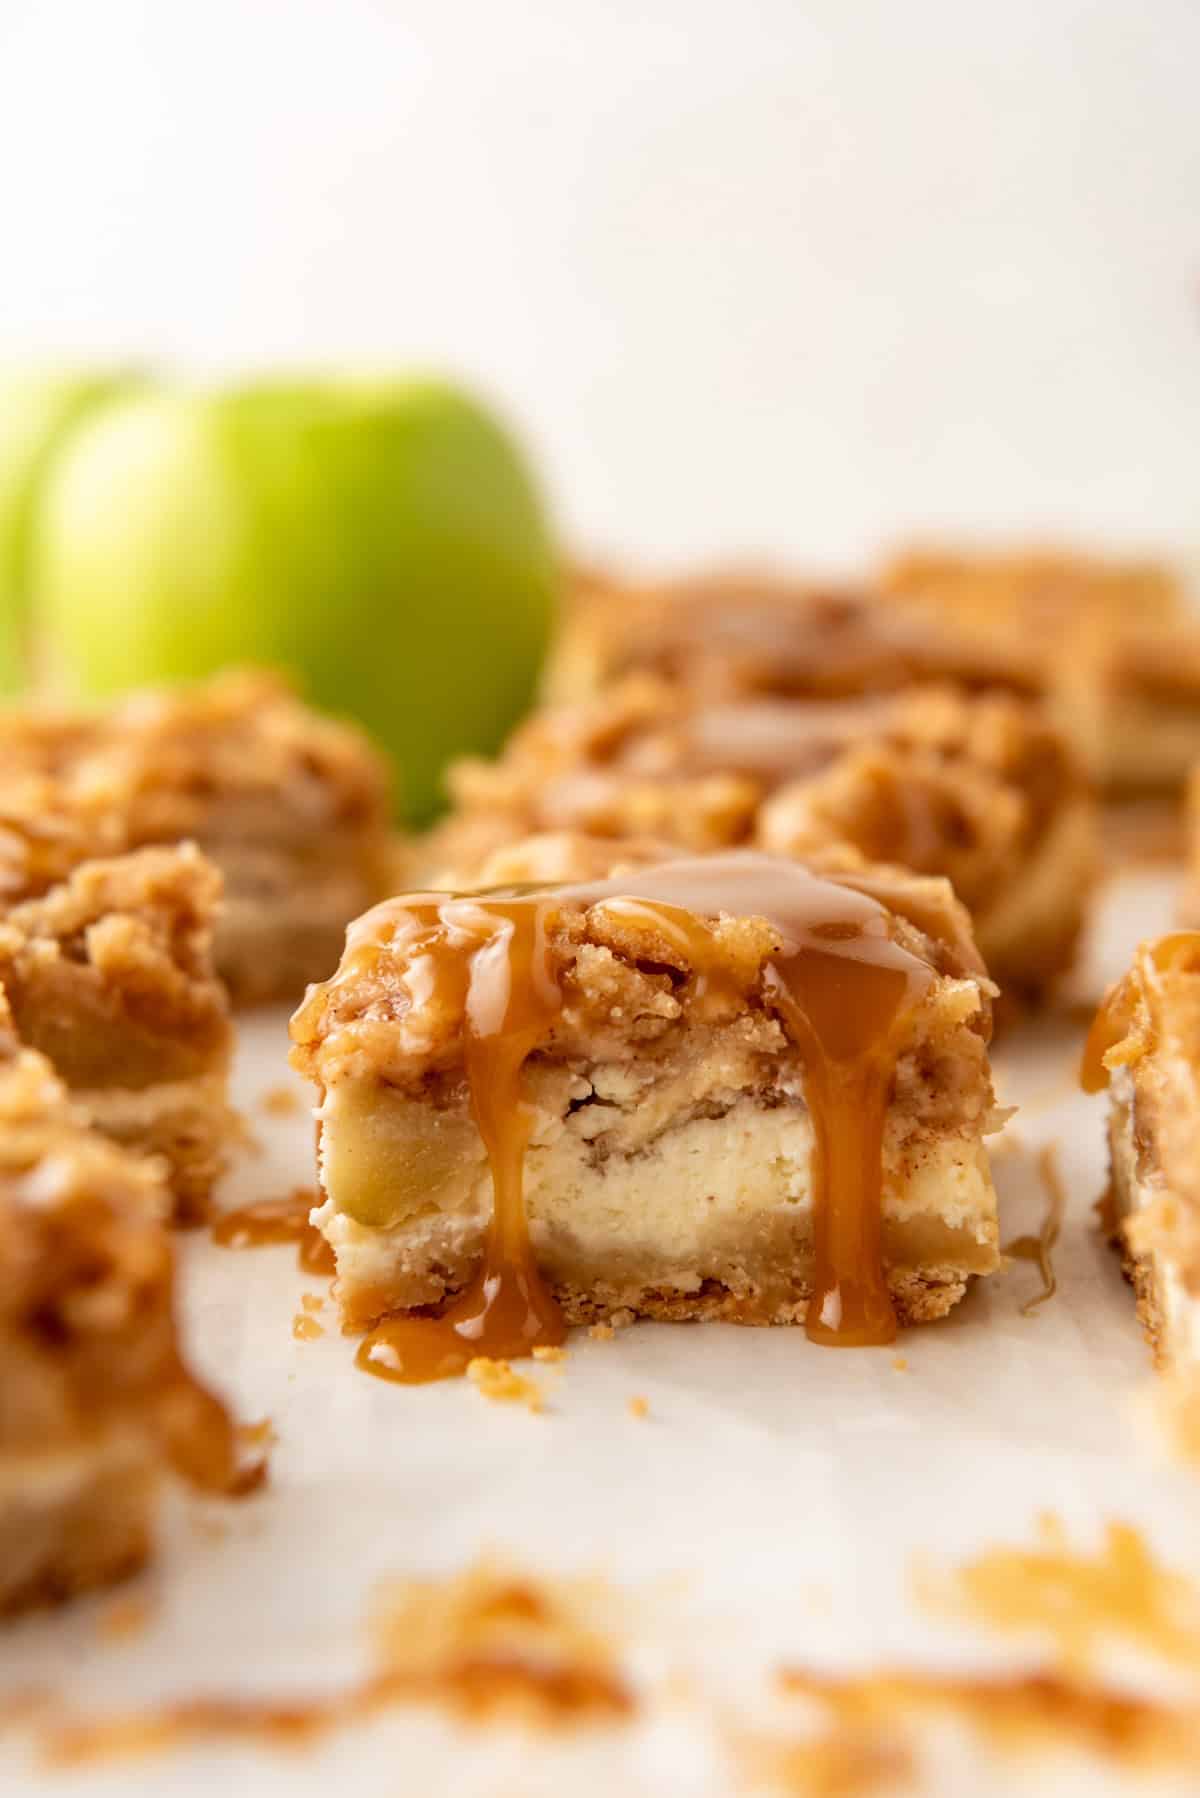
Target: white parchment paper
(768, 1509)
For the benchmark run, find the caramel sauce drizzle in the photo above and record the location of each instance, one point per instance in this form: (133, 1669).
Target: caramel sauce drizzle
(1114, 1019)
(841, 984)
(1039, 1248)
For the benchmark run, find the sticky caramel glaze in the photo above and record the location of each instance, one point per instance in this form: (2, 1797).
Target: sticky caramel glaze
(1113, 1020)
(840, 983)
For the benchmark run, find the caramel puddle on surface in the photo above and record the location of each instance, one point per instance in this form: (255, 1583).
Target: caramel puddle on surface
(840, 982)
(1040, 1248)
(266, 1222)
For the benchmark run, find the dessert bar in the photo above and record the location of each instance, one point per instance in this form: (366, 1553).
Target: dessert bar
(725, 1086)
(95, 1401)
(110, 975)
(291, 806)
(982, 789)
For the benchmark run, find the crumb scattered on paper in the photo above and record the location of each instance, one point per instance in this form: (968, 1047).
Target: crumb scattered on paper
(899, 1363)
(488, 1643)
(601, 1332)
(312, 1301)
(546, 1351)
(639, 1406)
(497, 1381)
(280, 1101)
(305, 1328)
(125, 1616)
(1082, 1601)
(1022, 1711)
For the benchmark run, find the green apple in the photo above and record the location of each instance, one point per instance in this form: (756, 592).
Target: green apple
(384, 542)
(38, 412)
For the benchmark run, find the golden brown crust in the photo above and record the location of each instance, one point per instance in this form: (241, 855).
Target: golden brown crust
(919, 1295)
(282, 799)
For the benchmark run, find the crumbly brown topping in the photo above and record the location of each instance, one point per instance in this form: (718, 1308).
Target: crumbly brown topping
(742, 632)
(631, 988)
(110, 973)
(237, 759)
(1050, 592)
(936, 779)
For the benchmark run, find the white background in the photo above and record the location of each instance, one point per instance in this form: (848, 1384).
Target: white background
(789, 275)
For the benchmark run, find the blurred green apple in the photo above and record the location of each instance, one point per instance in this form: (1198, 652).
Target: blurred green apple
(382, 541)
(38, 411)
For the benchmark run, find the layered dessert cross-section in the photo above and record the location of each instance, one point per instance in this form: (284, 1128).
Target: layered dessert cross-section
(724, 1086)
(292, 807)
(1145, 1047)
(980, 788)
(96, 1403)
(110, 975)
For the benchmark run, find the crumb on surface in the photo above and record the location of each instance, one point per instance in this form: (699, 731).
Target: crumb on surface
(639, 1406)
(280, 1101)
(126, 1616)
(1084, 1601)
(488, 1643)
(546, 1351)
(900, 1364)
(257, 1435)
(305, 1328)
(312, 1301)
(601, 1332)
(497, 1381)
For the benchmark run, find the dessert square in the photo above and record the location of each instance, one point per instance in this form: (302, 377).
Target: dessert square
(110, 975)
(724, 1086)
(1117, 649)
(95, 1400)
(292, 807)
(1145, 1047)
(738, 632)
(980, 788)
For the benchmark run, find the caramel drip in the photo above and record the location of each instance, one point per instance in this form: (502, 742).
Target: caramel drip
(495, 953)
(1039, 1248)
(1114, 1019)
(842, 986)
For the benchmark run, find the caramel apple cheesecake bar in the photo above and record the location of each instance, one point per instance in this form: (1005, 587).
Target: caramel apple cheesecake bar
(96, 1403)
(725, 1086)
(1115, 644)
(736, 633)
(1145, 1047)
(980, 788)
(293, 808)
(110, 975)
